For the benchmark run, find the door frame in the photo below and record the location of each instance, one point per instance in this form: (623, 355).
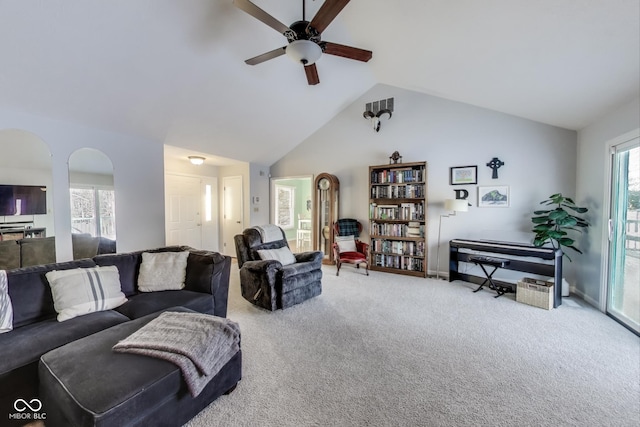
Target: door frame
(224, 230)
(272, 197)
(606, 213)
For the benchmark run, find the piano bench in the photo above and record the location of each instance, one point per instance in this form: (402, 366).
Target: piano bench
(496, 263)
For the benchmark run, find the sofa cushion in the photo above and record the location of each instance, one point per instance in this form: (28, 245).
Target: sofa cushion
(84, 245)
(81, 291)
(9, 254)
(85, 383)
(209, 272)
(146, 303)
(129, 266)
(201, 270)
(26, 344)
(30, 292)
(162, 271)
(37, 251)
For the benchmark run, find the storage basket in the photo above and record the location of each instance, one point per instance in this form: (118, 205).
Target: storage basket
(537, 293)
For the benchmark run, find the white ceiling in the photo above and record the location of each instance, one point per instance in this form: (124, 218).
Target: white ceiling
(173, 71)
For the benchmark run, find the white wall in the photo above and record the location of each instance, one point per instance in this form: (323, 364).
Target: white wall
(138, 178)
(539, 160)
(593, 143)
(259, 175)
(25, 160)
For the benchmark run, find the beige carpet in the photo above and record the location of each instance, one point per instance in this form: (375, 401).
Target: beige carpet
(390, 350)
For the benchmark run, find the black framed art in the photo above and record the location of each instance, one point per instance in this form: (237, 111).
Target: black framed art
(463, 175)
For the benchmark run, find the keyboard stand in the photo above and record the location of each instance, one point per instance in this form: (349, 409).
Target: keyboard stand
(495, 263)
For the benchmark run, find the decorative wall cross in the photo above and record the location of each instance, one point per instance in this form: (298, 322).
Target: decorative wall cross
(494, 164)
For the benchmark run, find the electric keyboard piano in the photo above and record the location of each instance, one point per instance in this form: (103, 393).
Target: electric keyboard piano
(515, 251)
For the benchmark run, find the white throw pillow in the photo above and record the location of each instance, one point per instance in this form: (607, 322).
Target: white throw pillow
(6, 310)
(283, 254)
(346, 243)
(81, 291)
(162, 271)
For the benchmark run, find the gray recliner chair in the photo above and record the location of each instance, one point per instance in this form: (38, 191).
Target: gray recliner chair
(268, 283)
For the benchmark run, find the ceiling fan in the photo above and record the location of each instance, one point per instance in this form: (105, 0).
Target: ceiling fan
(305, 43)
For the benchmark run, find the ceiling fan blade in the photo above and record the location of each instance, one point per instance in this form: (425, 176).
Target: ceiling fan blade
(327, 12)
(261, 15)
(312, 74)
(266, 56)
(347, 51)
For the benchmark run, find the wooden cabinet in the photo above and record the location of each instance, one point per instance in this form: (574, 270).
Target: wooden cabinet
(397, 218)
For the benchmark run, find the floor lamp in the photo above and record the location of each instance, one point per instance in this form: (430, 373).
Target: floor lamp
(453, 205)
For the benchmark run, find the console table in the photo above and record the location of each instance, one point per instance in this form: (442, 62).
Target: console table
(21, 233)
(517, 253)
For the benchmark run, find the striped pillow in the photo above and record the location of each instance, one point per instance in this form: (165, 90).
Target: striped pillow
(82, 291)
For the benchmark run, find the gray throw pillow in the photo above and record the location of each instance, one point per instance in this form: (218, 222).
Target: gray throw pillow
(162, 271)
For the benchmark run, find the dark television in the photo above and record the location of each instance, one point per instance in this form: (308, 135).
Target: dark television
(23, 200)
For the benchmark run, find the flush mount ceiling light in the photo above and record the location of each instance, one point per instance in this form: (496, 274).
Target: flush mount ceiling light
(196, 160)
(304, 51)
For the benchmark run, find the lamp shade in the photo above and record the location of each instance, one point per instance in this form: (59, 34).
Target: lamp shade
(304, 51)
(456, 205)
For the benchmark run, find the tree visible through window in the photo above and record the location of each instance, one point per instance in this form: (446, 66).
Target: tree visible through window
(284, 206)
(93, 212)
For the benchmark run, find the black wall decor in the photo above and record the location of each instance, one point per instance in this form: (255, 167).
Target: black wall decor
(461, 194)
(494, 164)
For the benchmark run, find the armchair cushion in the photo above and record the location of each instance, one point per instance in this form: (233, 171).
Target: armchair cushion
(299, 268)
(346, 243)
(348, 256)
(283, 254)
(315, 257)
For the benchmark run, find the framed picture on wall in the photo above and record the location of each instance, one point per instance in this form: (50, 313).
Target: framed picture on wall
(493, 196)
(463, 175)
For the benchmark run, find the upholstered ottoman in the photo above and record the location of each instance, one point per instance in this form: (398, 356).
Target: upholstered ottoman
(85, 383)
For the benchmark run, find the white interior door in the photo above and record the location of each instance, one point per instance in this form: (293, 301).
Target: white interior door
(232, 221)
(182, 211)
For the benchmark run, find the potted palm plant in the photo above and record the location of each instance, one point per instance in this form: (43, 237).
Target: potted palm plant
(553, 226)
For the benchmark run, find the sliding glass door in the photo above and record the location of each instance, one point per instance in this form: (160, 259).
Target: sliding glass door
(623, 287)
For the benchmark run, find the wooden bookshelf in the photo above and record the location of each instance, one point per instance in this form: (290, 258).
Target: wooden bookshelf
(397, 218)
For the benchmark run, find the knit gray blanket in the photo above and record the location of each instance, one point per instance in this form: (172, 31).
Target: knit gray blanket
(200, 344)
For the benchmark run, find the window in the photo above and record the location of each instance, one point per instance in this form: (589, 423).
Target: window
(93, 211)
(284, 206)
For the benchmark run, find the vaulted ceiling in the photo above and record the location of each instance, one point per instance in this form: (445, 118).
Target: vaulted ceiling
(173, 71)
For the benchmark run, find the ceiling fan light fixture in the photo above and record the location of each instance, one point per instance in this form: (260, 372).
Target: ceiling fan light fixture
(304, 51)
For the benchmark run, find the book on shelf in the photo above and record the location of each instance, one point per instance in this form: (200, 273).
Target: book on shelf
(397, 209)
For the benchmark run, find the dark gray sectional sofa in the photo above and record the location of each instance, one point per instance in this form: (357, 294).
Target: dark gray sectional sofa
(37, 332)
